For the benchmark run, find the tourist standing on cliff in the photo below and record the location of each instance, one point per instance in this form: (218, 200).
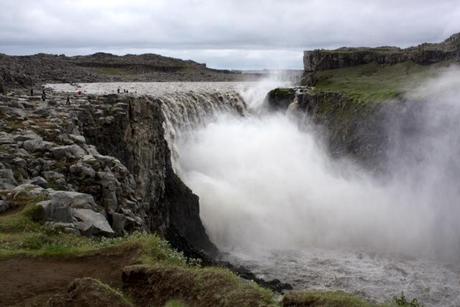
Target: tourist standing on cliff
(43, 95)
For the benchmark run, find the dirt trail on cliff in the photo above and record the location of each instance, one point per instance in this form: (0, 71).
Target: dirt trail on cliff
(31, 281)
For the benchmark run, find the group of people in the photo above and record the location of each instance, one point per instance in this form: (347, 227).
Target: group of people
(124, 91)
(44, 95)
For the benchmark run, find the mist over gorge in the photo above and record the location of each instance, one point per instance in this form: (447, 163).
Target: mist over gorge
(266, 181)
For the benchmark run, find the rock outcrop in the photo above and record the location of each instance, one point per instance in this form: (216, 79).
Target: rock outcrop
(131, 129)
(425, 54)
(123, 183)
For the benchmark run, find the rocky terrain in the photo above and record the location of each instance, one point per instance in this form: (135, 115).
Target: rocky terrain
(46, 152)
(85, 179)
(29, 71)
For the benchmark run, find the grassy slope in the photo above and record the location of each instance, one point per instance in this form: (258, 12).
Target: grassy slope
(374, 82)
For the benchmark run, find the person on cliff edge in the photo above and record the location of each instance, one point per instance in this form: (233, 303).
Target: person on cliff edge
(43, 95)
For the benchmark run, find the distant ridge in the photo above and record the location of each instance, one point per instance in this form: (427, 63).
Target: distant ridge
(26, 71)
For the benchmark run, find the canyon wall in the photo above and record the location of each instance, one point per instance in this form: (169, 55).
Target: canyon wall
(424, 54)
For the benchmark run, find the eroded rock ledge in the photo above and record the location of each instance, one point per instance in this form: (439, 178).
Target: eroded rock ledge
(100, 165)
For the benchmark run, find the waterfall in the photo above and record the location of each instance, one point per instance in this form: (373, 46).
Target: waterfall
(186, 111)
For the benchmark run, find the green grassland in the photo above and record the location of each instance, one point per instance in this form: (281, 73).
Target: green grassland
(375, 82)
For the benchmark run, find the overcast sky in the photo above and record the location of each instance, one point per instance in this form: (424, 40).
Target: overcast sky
(246, 34)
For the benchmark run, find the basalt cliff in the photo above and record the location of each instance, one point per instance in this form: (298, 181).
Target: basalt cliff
(354, 94)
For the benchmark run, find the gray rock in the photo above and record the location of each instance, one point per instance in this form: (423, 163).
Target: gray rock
(28, 190)
(52, 175)
(40, 181)
(4, 206)
(82, 170)
(91, 223)
(7, 180)
(68, 152)
(122, 223)
(77, 138)
(55, 212)
(6, 138)
(109, 187)
(56, 179)
(28, 135)
(74, 200)
(34, 145)
(20, 162)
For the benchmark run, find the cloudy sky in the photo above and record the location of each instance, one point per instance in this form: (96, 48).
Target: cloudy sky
(247, 34)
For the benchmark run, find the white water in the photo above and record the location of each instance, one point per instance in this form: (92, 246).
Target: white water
(272, 198)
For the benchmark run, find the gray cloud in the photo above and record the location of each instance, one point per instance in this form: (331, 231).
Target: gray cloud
(237, 33)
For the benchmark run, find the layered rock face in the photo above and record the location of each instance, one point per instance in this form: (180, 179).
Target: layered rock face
(125, 182)
(425, 54)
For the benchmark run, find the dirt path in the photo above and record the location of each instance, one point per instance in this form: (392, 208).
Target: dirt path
(29, 281)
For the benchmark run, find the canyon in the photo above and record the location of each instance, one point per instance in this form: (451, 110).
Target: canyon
(169, 158)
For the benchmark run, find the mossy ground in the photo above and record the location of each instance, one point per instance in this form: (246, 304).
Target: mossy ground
(374, 82)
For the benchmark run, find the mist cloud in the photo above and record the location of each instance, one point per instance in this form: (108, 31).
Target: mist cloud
(267, 183)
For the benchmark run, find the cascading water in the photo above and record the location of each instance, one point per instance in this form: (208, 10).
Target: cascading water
(274, 201)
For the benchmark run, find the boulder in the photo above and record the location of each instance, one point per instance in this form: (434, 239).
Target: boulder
(77, 138)
(91, 223)
(40, 181)
(109, 187)
(82, 170)
(68, 152)
(74, 200)
(26, 189)
(6, 138)
(78, 209)
(27, 135)
(4, 206)
(7, 180)
(123, 223)
(36, 145)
